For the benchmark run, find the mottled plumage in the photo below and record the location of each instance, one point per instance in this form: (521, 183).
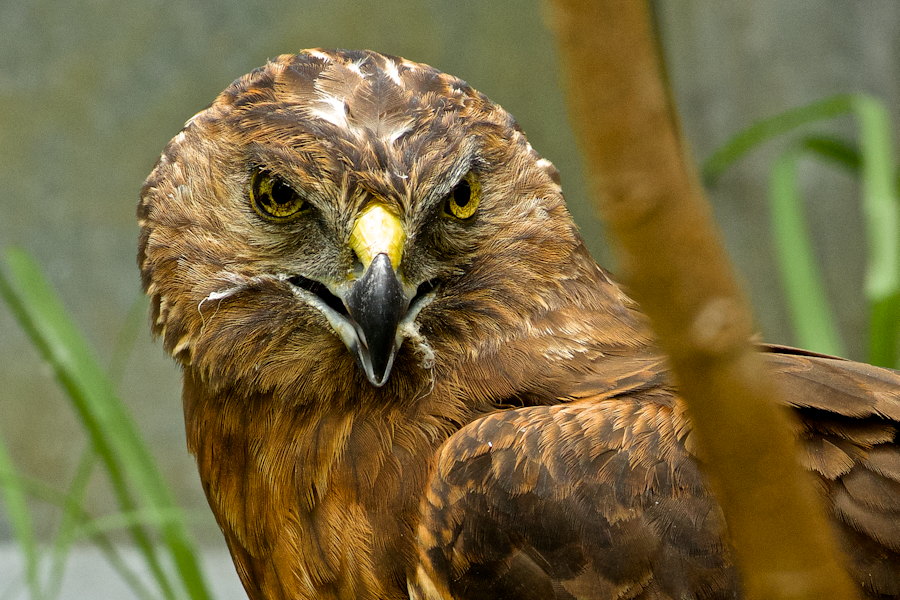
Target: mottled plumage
(405, 375)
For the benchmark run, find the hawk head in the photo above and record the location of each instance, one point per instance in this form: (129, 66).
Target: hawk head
(350, 212)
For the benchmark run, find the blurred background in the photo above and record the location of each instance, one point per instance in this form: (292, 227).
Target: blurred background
(91, 91)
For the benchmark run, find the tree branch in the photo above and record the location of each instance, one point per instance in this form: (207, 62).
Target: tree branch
(675, 265)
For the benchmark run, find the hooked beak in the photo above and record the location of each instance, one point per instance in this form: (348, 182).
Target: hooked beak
(377, 304)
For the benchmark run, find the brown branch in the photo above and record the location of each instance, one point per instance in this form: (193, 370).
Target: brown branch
(675, 264)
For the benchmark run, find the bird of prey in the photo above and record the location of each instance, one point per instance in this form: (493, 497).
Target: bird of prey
(404, 375)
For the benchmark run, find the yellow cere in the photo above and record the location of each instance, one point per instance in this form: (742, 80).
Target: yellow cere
(377, 231)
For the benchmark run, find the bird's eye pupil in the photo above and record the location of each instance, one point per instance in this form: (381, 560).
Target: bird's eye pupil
(462, 193)
(462, 201)
(273, 199)
(281, 194)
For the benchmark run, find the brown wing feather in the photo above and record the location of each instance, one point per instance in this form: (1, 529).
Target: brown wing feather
(600, 497)
(850, 414)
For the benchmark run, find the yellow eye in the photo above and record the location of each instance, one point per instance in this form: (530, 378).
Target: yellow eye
(464, 197)
(273, 199)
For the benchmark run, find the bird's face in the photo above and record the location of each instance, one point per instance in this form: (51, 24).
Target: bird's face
(335, 208)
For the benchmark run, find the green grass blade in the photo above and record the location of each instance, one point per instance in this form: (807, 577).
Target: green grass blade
(881, 209)
(17, 510)
(35, 306)
(880, 205)
(68, 527)
(884, 320)
(884, 332)
(41, 491)
(128, 334)
(875, 163)
(834, 150)
(123, 520)
(94, 529)
(107, 421)
(810, 312)
(767, 129)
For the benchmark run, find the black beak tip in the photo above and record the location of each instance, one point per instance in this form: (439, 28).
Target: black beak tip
(380, 373)
(377, 304)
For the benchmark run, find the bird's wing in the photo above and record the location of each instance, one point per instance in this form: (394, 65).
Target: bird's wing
(601, 497)
(850, 416)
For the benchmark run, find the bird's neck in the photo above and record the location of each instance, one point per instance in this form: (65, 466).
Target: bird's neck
(307, 496)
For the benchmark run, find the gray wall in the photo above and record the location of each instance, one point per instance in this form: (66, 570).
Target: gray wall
(91, 90)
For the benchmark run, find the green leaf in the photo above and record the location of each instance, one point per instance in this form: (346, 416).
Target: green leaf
(107, 421)
(880, 206)
(76, 512)
(808, 305)
(884, 332)
(128, 334)
(13, 495)
(834, 150)
(66, 535)
(124, 520)
(874, 162)
(768, 129)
